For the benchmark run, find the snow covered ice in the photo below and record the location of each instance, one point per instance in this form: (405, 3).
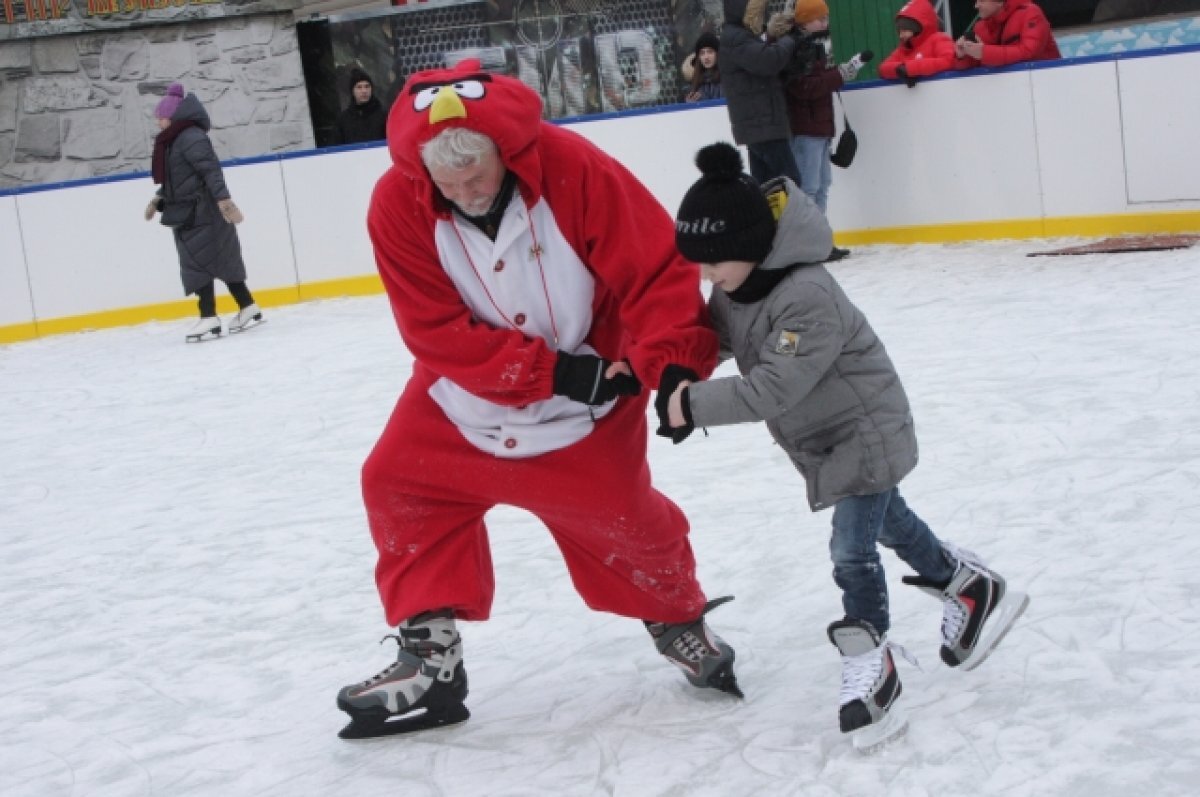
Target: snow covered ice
(186, 575)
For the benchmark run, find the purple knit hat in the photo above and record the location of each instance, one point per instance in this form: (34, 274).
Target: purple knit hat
(169, 104)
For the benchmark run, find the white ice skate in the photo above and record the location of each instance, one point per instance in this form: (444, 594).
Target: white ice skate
(249, 316)
(204, 329)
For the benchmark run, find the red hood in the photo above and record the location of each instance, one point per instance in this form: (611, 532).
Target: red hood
(1007, 10)
(502, 108)
(922, 12)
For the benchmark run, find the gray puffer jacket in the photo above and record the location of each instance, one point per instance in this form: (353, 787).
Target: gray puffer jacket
(208, 248)
(750, 76)
(813, 369)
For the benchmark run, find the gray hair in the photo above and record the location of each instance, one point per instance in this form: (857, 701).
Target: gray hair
(456, 148)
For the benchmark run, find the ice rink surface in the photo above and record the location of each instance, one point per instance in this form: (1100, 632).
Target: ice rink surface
(186, 573)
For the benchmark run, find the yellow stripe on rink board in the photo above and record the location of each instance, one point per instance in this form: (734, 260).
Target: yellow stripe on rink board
(186, 308)
(1060, 227)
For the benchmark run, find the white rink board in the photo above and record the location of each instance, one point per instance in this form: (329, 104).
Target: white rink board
(1016, 145)
(14, 281)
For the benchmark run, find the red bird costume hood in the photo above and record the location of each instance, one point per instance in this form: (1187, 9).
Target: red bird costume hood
(502, 108)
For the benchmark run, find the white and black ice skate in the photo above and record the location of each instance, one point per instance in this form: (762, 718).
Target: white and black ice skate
(978, 609)
(870, 685)
(425, 688)
(205, 329)
(248, 317)
(704, 657)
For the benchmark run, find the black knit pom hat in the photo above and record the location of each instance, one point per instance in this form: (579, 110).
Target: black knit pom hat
(724, 216)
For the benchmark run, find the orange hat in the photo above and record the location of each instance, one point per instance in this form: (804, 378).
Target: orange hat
(808, 10)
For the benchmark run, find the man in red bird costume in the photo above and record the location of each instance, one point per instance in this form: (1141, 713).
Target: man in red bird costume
(536, 283)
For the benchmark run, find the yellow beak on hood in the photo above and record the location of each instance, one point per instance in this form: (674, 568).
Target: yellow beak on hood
(446, 105)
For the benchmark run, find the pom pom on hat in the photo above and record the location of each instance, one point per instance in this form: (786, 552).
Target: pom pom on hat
(808, 10)
(169, 104)
(724, 215)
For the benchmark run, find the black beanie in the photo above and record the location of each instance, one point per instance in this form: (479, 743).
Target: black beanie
(709, 40)
(724, 216)
(358, 76)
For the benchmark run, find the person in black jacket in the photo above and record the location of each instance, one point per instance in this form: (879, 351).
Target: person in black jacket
(364, 119)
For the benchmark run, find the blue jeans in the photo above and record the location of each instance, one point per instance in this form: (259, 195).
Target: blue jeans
(861, 521)
(771, 159)
(816, 173)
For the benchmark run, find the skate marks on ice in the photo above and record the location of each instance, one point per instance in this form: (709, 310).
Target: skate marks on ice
(187, 577)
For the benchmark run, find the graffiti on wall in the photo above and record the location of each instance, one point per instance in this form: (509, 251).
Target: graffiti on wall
(26, 19)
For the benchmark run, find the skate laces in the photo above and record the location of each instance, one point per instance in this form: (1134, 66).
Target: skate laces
(859, 673)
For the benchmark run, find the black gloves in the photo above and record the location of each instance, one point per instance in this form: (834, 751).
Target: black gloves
(580, 377)
(902, 73)
(672, 375)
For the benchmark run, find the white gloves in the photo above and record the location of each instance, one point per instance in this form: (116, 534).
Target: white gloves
(849, 70)
(151, 209)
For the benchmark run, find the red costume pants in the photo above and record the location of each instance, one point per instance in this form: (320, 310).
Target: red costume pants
(427, 489)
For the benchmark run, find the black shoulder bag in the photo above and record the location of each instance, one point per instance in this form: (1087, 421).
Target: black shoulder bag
(847, 143)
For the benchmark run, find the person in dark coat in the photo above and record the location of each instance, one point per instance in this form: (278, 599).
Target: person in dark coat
(364, 119)
(811, 367)
(197, 206)
(750, 70)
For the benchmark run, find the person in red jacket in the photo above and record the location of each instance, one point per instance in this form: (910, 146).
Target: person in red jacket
(1008, 32)
(924, 49)
(536, 284)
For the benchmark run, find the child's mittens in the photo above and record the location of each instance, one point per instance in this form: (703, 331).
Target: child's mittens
(230, 212)
(154, 206)
(849, 70)
(902, 74)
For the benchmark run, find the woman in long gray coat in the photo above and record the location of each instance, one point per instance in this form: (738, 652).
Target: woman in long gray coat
(196, 205)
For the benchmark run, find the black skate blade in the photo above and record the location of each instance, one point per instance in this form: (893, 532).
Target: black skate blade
(374, 727)
(724, 680)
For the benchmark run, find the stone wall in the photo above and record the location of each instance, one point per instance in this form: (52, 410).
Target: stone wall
(79, 106)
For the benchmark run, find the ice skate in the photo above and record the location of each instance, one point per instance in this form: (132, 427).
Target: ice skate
(870, 685)
(978, 609)
(249, 316)
(205, 328)
(704, 657)
(424, 688)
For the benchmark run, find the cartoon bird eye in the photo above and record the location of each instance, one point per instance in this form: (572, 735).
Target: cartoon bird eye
(425, 97)
(469, 89)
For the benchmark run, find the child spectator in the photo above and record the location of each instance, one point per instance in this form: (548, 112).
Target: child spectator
(701, 71)
(924, 49)
(1008, 32)
(810, 105)
(812, 368)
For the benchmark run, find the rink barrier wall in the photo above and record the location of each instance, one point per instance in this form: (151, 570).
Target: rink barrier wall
(1090, 147)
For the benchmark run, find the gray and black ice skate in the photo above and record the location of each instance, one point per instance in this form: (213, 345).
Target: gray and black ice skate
(978, 608)
(704, 657)
(870, 684)
(424, 688)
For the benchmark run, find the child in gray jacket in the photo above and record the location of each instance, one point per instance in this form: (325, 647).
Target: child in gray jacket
(812, 368)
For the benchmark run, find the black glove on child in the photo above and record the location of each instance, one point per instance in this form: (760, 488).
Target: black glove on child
(672, 375)
(580, 377)
(902, 72)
